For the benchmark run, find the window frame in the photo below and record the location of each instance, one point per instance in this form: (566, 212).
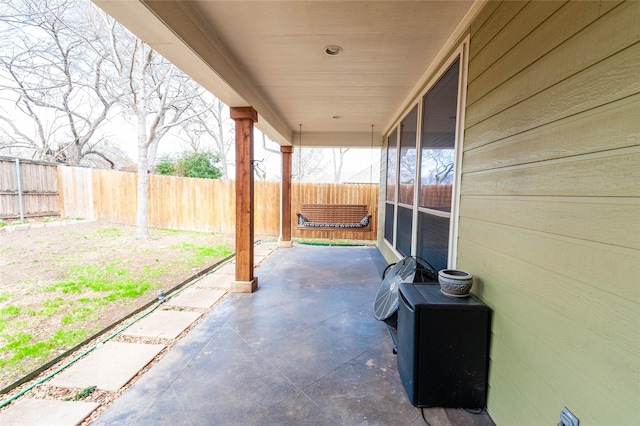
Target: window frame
(461, 54)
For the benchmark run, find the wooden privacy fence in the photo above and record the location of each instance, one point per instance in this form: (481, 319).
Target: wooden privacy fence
(332, 193)
(436, 197)
(201, 204)
(28, 189)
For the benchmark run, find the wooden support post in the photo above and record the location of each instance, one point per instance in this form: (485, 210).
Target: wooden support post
(244, 118)
(285, 198)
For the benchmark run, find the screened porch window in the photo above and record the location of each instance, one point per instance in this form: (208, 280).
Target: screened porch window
(407, 173)
(439, 118)
(424, 161)
(392, 160)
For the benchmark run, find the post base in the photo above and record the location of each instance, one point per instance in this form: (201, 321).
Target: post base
(244, 286)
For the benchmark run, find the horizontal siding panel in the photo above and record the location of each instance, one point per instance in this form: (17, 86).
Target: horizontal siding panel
(550, 208)
(524, 361)
(597, 331)
(557, 39)
(516, 360)
(526, 18)
(492, 20)
(604, 128)
(615, 222)
(503, 395)
(615, 78)
(586, 310)
(608, 174)
(606, 267)
(565, 52)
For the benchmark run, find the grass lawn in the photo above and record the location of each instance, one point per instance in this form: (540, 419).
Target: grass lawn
(60, 285)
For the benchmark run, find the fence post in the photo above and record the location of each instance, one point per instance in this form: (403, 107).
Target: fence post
(19, 190)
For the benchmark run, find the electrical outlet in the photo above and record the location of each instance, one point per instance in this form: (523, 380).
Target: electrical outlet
(567, 418)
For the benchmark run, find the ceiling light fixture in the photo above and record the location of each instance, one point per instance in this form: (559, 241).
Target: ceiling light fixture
(333, 50)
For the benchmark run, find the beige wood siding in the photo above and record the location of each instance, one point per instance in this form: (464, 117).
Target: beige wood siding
(550, 206)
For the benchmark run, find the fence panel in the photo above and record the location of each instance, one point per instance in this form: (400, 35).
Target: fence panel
(76, 192)
(114, 196)
(174, 202)
(191, 204)
(35, 193)
(335, 193)
(266, 219)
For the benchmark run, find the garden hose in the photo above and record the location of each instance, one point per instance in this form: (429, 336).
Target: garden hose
(161, 299)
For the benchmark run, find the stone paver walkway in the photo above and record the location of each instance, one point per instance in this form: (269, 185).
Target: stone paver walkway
(112, 365)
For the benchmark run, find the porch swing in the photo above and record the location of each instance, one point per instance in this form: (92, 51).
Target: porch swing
(335, 217)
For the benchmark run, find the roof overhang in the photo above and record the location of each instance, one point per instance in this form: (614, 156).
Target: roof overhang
(270, 55)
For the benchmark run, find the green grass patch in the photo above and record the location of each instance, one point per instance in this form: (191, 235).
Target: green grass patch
(80, 314)
(82, 394)
(5, 295)
(10, 311)
(22, 345)
(51, 307)
(117, 282)
(156, 271)
(13, 311)
(199, 253)
(65, 338)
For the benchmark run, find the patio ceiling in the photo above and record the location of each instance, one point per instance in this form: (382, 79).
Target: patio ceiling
(271, 55)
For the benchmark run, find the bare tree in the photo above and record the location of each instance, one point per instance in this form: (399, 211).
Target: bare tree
(67, 68)
(337, 155)
(407, 165)
(53, 81)
(307, 164)
(437, 166)
(212, 122)
(160, 98)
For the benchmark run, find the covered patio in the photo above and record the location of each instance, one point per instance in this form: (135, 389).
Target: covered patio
(303, 349)
(509, 147)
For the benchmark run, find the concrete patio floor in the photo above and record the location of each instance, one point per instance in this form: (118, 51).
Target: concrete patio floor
(304, 349)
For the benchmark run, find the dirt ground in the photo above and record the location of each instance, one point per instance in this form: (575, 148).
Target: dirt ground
(34, 262)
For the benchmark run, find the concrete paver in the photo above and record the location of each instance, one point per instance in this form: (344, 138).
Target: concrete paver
(196, 298)
(228, 269)
(162, 324)
(112, 365)
(217, 281)
(36, 412)
(108, 367)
